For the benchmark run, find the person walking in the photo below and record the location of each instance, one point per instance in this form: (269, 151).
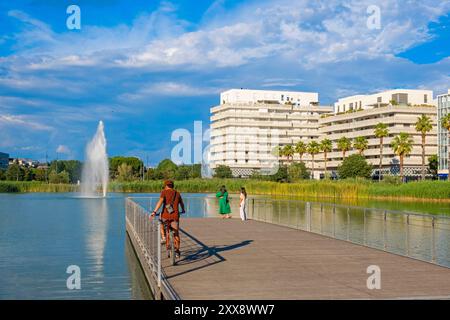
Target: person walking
(243, 204)
(224, 203)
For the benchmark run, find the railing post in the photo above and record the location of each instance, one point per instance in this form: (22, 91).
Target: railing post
(321, 218)
(308, 214)
(364, 227)
(384, 231)
(433, 240)
(348, 224)
(134, 217)
(289, 214)
(279, 212)
(265, 212)
(407, 235)
(334, 220)
(158, 245)
(253, 208)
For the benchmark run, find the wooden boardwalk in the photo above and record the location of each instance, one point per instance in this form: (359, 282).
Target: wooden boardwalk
(230, 259)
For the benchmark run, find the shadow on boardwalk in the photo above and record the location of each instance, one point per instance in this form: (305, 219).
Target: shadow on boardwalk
(194, 251)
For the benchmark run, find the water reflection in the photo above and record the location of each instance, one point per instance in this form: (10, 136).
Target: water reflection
(140, 289)
(95, 218)
(424, 237)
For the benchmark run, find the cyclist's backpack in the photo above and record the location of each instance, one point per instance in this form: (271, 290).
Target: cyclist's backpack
(169, 207)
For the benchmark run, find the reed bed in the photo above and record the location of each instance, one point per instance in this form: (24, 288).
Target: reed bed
(35, 186)
(343, 189)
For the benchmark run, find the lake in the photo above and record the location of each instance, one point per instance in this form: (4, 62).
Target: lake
(41, 234)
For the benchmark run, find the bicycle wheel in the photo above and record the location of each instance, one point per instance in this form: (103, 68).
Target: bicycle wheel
(172, 248)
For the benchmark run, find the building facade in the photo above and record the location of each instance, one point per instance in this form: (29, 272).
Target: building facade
(249, 124)
(384, 98)
(399, 118)
(4, 160)
(443, 102)
(357, 116)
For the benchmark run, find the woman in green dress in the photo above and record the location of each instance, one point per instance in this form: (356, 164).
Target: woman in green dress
(224, 203)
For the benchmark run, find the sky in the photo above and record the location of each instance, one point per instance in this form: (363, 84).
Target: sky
(147, 68)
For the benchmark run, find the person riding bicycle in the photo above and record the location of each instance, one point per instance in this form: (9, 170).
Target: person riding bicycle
(170, 216)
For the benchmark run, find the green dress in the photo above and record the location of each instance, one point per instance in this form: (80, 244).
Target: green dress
(224, 205)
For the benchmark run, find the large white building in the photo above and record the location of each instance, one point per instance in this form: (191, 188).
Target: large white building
(384, 98)
(357, 116)
(443, 101)
(269, 96)
(249, 124)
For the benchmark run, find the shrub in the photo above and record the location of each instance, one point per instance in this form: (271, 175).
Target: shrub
(125, 172)
(183, 172)
(223, 172)
(8, 187)
(433, 165)
(298, 171)
(281, 175)
(59, 178)
(355, 166)
(392, 179)
(166, 169)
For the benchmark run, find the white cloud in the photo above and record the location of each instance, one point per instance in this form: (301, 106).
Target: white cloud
(23, 122)
(168, 89)
(310, 32)
(63, 149)
(58, 84)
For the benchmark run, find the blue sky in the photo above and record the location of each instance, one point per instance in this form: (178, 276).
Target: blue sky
(147, 68)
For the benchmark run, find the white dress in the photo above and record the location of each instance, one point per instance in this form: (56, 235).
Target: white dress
(242, 207)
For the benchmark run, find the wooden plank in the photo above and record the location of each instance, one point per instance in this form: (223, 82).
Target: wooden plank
(231, 259)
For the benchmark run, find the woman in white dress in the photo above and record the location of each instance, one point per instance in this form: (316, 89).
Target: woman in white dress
(242, 204)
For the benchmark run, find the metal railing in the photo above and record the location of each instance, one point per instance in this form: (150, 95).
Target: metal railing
(418, 236)
(147, 234)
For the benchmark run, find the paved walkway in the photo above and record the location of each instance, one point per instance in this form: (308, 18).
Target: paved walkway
(230, 259)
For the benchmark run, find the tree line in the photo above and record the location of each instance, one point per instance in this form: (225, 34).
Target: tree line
(120, 168)
(401, 145)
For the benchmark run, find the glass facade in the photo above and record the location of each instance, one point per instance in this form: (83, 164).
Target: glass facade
(4, 159)
(443, 109)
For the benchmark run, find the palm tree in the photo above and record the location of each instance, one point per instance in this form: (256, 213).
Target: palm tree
(300, 148)
(326, 146)
(361, 144)
(288, 152)
(278, 152)
(344, 144)
(381, 131)
(313, 149)
(423, 125)
(402, 146)
(445, 122)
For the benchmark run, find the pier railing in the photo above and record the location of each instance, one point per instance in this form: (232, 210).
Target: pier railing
(420, 236)
(146, 237)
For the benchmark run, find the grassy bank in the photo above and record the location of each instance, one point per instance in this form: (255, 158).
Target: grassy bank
(308, 188)
(35, 186)
(346, 189)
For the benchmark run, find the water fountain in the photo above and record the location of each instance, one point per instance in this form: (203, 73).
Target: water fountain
(95, 169)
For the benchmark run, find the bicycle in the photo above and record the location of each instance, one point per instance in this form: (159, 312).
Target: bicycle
(169, 230)
(171, 249)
